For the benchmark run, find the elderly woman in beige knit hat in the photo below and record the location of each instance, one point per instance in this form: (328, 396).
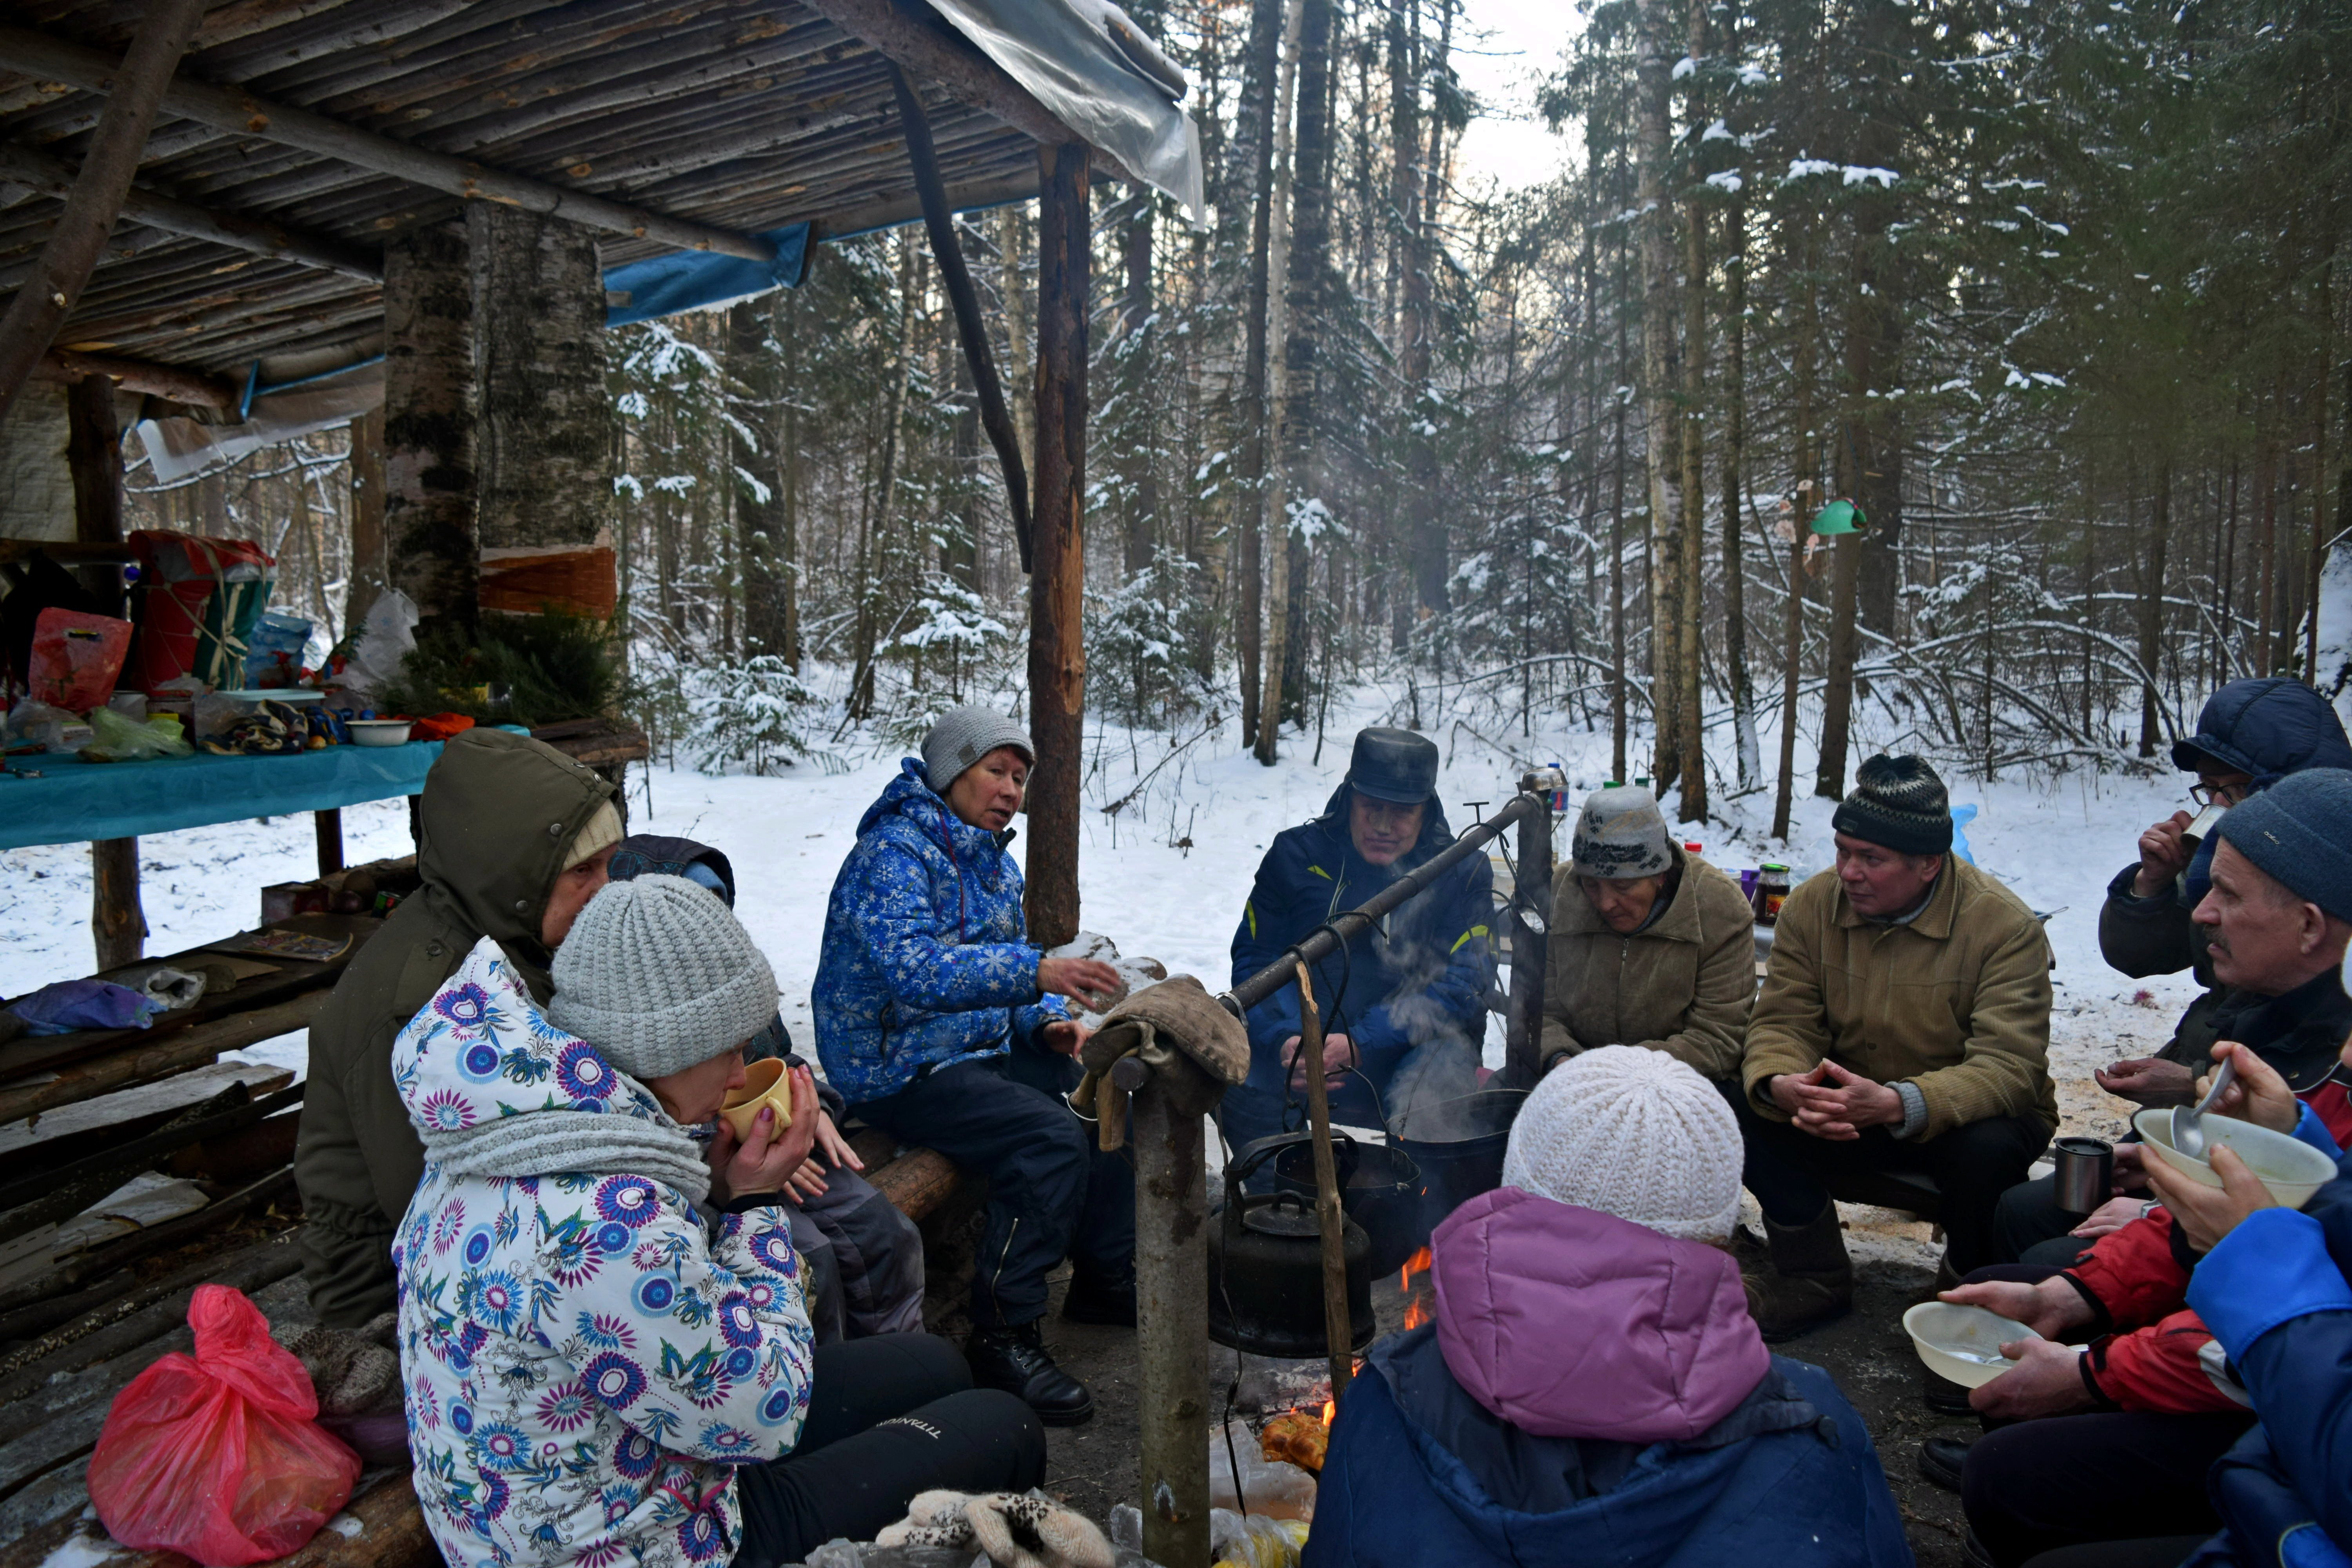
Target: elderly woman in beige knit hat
(1650, 946)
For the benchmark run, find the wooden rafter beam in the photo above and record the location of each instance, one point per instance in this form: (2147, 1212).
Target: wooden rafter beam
(52, 176)
(139, 82)
(177, 383)
(931, 53)
(242, 113)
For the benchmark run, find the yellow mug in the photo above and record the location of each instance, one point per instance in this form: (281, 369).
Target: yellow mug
(764, 1083)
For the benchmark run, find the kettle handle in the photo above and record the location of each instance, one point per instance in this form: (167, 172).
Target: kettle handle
(1255, 1154)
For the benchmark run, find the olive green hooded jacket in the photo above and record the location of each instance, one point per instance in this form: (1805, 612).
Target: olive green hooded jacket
(496, 825)
(1683, 985)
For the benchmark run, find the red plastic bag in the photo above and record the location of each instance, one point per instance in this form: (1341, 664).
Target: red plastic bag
(76, 658)
(220, 1456)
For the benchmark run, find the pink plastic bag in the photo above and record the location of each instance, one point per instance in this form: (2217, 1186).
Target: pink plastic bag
(220, 1456)
(76, 658)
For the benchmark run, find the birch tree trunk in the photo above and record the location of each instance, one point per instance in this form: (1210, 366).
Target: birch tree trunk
(1660, 376)
(1276, 519)
(1735, 442)
(546, 415)
(430, 493)
(1263, 104)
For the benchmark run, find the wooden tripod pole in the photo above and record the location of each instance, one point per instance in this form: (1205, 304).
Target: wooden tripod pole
(1329, 1217)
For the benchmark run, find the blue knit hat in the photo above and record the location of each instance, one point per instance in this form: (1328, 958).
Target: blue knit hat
(2299, 832)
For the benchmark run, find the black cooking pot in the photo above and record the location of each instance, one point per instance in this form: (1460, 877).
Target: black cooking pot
(1458, 1144)
(1379, 1189)
(1265, 1265)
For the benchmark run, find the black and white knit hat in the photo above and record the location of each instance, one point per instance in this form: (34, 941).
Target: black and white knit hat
(658, 974)
(1900, 804)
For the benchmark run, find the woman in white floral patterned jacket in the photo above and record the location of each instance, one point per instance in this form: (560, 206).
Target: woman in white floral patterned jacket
(597, 1371)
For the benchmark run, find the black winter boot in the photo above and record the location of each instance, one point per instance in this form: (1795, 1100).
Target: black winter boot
(1809, 1281)
(1101, 1296)
(1013, 1358)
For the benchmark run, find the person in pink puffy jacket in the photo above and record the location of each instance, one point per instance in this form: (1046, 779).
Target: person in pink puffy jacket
(1592, 1388)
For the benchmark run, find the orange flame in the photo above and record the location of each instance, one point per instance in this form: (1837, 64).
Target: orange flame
(1417, 1264)
(1415, 1314)
(1329, 1409)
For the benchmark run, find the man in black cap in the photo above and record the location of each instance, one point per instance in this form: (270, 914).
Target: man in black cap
(1404, 1007)
(1903, 1024)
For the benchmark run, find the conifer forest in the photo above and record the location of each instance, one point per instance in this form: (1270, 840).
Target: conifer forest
(2053, 297)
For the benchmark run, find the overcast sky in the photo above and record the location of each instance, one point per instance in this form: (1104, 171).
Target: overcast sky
(1523, 40)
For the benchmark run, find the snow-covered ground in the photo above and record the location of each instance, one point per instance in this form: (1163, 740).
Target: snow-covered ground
(1140, 884)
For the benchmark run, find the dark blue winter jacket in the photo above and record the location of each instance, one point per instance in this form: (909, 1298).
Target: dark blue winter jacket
(2269, 727)
(1423, 977)
(2278, 1294)
(1788, 1477)
(926, 960)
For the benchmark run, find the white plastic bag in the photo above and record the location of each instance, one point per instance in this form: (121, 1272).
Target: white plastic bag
(1270, 1487)
(386, 638)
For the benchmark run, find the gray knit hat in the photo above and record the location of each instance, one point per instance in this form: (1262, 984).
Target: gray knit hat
(658, 974)
(964, 735)
(1898, 803)
(1619, 834)
(2299, 832)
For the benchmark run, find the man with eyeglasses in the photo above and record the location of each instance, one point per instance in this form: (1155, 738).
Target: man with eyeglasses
(2287, 1007)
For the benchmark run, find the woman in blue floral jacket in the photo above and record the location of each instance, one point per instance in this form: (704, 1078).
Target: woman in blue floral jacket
(935, 1018)
(596, 1374)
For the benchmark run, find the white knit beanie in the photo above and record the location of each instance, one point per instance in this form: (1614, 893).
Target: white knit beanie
(658, 974)
(1633, 1132)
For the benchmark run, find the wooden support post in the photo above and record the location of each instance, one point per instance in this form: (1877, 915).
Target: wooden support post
(1171, 1322)
(367, 519)
(134, 90)
(1530, 936)
(330, 841)
(1058, 653)
(117, 925)
(1331, 1220)
(429, 494)
(94, 456)
(545, 438)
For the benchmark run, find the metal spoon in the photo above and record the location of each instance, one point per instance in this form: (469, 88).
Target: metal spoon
(2188, 1121)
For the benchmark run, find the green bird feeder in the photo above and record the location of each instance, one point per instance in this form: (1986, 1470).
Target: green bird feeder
(1839, 517)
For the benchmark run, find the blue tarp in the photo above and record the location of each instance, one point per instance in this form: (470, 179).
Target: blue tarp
(74, 801)
(664, 285)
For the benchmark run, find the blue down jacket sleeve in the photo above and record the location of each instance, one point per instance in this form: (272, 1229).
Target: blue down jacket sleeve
(2276, 1298)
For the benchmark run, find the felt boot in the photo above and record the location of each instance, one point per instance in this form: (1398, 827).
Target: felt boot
(1809, 1281)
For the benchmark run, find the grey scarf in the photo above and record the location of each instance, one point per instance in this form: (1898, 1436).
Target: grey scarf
(565, 1143)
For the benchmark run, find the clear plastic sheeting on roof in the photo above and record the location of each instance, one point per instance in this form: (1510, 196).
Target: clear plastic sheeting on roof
(180, 448)
(1101, 75)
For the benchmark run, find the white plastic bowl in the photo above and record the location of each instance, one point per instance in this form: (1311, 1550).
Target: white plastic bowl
(1963, 1343)
(2291, 1170)
(378, 732)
